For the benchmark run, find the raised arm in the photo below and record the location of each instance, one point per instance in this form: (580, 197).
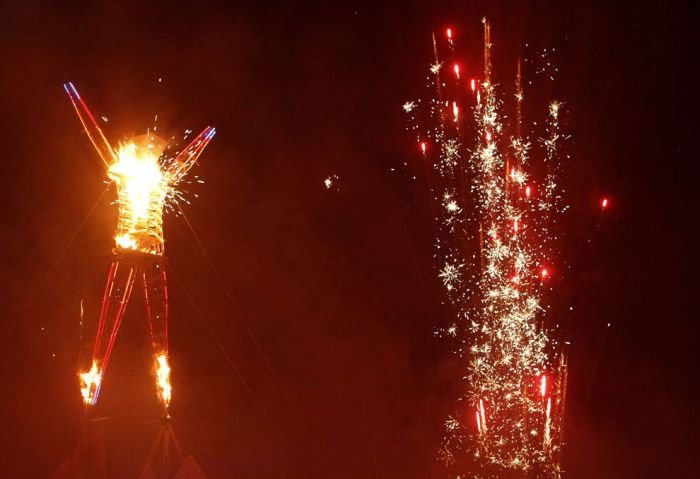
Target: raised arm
(186, 159)
(104, 149)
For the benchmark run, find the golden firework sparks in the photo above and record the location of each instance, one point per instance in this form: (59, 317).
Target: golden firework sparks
(494, 257)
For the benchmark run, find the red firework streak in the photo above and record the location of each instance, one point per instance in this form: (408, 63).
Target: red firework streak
(145, 177)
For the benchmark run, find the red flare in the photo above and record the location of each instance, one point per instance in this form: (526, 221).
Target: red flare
(544, 273)
(449, 34)
(457, 70)
(455, 110)
(483, 414)
(423, 146)
(473, 85)
(543, 385)
(478, 421)
(604, 203)
(528, 191)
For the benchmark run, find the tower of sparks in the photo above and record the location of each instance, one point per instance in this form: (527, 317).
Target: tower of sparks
(146, 179)
(498, 201)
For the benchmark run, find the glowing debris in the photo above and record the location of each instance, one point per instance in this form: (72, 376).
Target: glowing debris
(330, 182)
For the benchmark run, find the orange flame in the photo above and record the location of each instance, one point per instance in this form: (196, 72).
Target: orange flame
(90, 382)
(165, 390)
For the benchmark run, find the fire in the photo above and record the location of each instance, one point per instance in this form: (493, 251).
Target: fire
(145, 178)
(142, 188)
(165, 390)
(90, 383)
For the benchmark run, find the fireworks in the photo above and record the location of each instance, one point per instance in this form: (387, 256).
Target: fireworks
(146, 175)
(500, 203)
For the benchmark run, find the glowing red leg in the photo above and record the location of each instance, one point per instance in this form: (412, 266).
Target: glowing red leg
(156, 296)
(120, 283)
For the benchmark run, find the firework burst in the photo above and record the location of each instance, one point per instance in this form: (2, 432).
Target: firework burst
(500, 201)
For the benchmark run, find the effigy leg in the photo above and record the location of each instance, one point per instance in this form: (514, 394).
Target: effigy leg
(120, 283)
(156, 297)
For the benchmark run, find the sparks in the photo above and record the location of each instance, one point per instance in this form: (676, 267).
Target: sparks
(449, 275)
(491, 258)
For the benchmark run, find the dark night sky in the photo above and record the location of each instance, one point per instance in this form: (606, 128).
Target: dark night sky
(337, 286)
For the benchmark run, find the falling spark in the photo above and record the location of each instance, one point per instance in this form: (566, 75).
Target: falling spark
(330, 181)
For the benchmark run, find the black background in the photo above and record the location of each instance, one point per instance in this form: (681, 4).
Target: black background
(336, 285)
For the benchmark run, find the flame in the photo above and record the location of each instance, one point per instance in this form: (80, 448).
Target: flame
(90, 383)
(142, 188)
(165, 390)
